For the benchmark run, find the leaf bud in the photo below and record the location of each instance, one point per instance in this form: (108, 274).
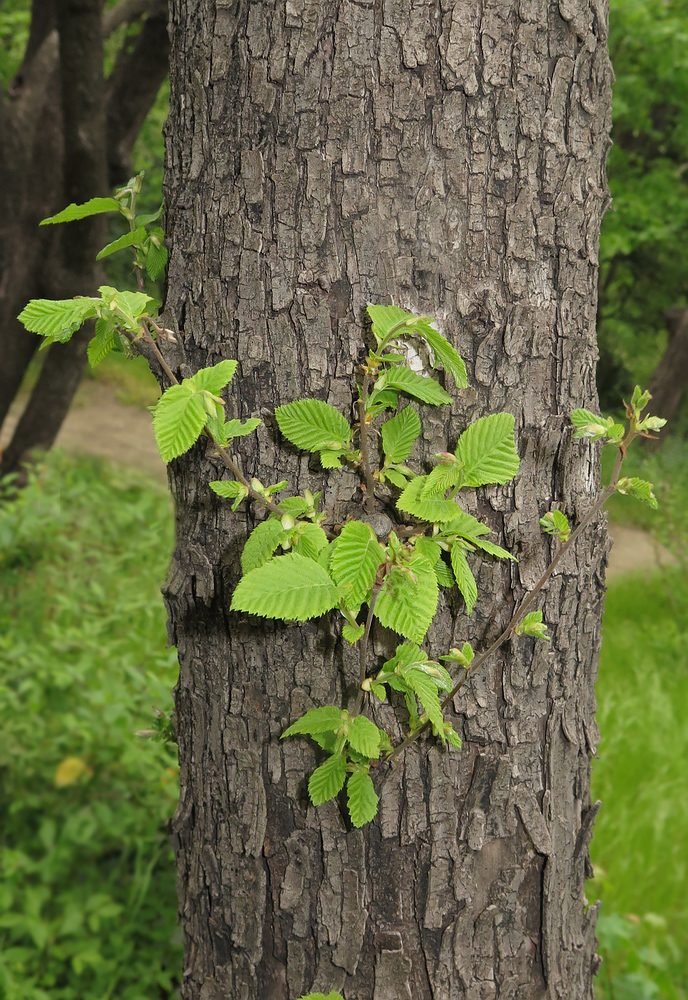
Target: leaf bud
(288, 522)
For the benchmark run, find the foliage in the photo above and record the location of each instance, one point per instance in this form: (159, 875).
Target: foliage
(87, 896)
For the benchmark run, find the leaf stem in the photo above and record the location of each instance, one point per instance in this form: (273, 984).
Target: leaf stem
(529, 598)
(363, 648)
(369, 500)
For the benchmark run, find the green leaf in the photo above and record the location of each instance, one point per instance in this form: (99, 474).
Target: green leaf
(364, 737)
(362, 800)
(425, 389)
(316, 720)
(487, 450)
(406, 606)
(128, 307)
(492, 549)
(105, 340)
(214, 379)
(399, 434)
(265, 538)
(310, 540)
(128, 240)
(640, 489)
(397, 478)
(581, 418)
(156, 254)
(235, 428)
(96, 206)
(448, 356)
(464, 578)
(327, 780)
(425, 690)
(289, 587)
(428, 510)
(465, 525)
(533, 625)
(228, 489)
(355, 561)
(383, 399)
(145, 220)
(385, 318)
(313, 425)
(429, 549)
(57, 319)
(321, 996)
(352, 634)
(556, 523)
(178, 419)
(330, 459)
(443, 477)
(443, 574)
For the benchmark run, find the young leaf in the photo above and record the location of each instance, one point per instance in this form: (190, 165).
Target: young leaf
(265, 538)
(426, 691)
(316, 720)
(443, 574)
(397, 478)
(355, 561)
(428, 510)
(327, 780)
(156, 254)
(310, 540)
(352, 634)
(399, 434)
(289, 587)
(487, 450)
(129, 307)
(235, 428)
(405, 605)
(57, 319)
(321, 996)
(429, 549)
(128, 240)
(492, 549)
(640, 489)
(330, 459)
(214, 379)
(385, 318)
(362, 799)
(145, 220)
(556, 523)
(105, 340)
(228, 489)
(464, 578)
(364, 737)
(383, 399)
(533, 625)
(313, 425)
(448, 356)
(443, 477)
(465, 525)
(425, 389)
(72, 212)
(178, 419)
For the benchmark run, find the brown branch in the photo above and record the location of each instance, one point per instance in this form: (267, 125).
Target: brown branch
(369, 500)
(528, 600)
(133, 85)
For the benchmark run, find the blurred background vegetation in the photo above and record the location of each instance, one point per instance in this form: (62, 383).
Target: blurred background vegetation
(87, 900)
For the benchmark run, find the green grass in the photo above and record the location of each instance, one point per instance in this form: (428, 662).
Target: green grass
(87, 897)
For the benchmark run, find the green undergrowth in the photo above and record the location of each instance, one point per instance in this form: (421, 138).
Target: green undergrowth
(87, 897)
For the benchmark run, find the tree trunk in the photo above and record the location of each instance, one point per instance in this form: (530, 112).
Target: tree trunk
(670, 378)
(449, 159)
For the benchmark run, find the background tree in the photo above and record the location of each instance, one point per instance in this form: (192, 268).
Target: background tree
(452, 159)
(67, 135)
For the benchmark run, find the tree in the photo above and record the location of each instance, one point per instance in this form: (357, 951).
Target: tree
(322, 155)
(67, 133)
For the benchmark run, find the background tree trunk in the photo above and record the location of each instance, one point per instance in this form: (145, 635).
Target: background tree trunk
(670, 378)
(449, 158)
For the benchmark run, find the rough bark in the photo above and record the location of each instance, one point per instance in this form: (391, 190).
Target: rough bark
(33, 184)
(448, 157)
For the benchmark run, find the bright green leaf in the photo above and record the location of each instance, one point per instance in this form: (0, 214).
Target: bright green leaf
(362, 799)
(327, 780)
(105, 340)
(352, 634)
(313, 425)
(406, 606)
(265, 539)
(73, 212)
(399, 434)
(364, 737)
(310, 540)
(289, 587)
(355, 561)
(425, 389)
(443, 477)
(57, 319)
(128, 240)
(443, 574)
(640, 489)
(492, 549)
(178, 420)
(235, 428)
(214, 379)
(428, 510)
(316, 720)
(426, 691)
(487, 450)
(464, 578)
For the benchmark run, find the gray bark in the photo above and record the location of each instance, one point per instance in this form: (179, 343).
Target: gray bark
(450, 158)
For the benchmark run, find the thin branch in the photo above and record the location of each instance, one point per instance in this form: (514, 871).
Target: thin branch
(369, 500)
(528, 600)
(363, 648)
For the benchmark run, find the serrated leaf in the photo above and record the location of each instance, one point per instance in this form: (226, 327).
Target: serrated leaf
(364, 737)
(327, 780)
(465, 525)
(454, 738)
(312, 425)
(235, 428)
(145, 220)
(228, 488)
(128, 307)
(265, 539)
(105, 340)
(406, 606)
(425, 690)
(399, 434)
(425, 389)
(178, 420)
(128, 240)
(581, 418)
(384, 399)
(73, 212)
(310, 540)
(492, 549)
(352, 634)
(487, 450)
(330, 459)
(385, 318)
(445, 353)
(442, 477)
(405, 654)
(397, 478)
(362, 799)
(215, 378)
(428, 510)
(288, 587)
(156, 254)
(556, 523)
(429, 549)
(57, 319)
(316, 720)
(640, 489)
(443, 574)
(465, 580)
(355, 561)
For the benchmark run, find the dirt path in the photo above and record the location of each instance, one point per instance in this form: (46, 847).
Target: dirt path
(100, 425)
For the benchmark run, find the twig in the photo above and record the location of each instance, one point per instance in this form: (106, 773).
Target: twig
(369, 500)
(528, 600)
